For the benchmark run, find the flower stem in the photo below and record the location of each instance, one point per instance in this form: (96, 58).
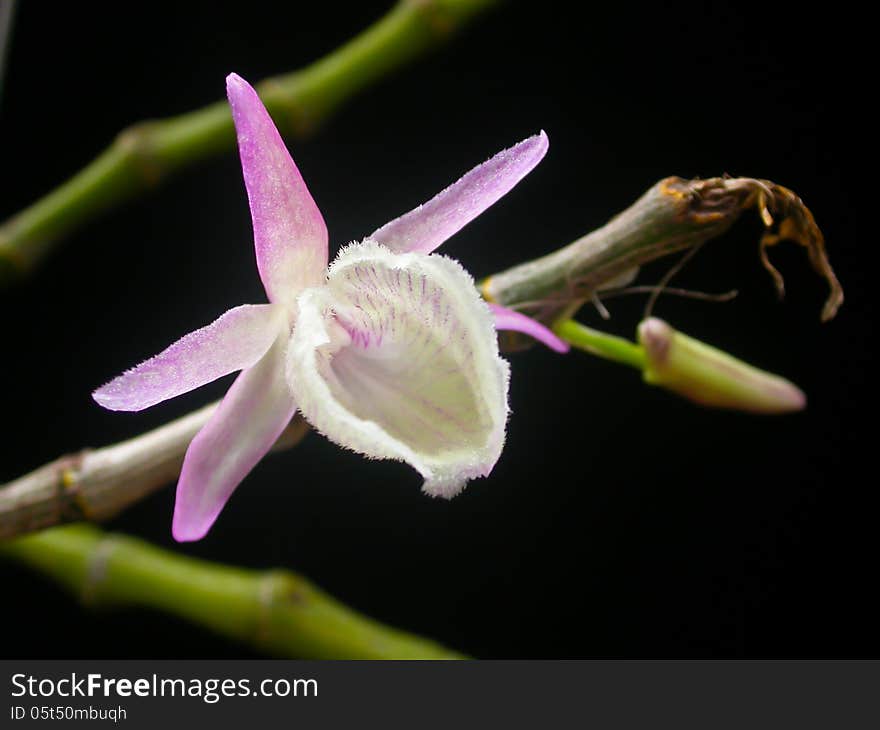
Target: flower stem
(611, 347)
(146, 154)
(276, 611)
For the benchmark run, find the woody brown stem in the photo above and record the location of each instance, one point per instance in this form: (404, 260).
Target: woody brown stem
(96, 485)
(673, 215)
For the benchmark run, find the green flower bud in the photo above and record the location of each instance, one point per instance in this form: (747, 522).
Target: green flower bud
(711, 377)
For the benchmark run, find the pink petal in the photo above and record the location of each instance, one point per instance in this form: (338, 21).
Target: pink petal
(426, 227)
(241, 431)
(236, 340)
(507, 319)
(290, 236)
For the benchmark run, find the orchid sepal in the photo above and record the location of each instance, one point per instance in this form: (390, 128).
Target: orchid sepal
(234, 341)
(429, 225)
(290, 236)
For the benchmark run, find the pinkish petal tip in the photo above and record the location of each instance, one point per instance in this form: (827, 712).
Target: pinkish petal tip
(426, 227)
(234, 79)
(508, 319)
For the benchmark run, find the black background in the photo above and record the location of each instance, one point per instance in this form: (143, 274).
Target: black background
(620, 521)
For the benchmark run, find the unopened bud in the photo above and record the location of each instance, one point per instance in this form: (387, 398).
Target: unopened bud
(711, 377)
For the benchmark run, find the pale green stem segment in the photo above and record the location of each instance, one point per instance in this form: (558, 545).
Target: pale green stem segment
(278, 612)
(611, 347)
(147, 153)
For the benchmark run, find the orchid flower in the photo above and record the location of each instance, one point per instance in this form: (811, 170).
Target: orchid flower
(389, 352)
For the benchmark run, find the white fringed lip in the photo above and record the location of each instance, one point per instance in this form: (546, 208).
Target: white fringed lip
(396, 358)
